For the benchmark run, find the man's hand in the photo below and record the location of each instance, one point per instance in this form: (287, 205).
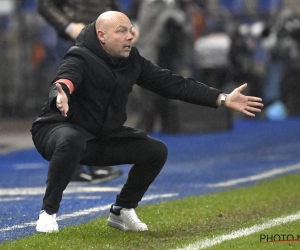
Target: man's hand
(75, 30)
(242, 103)
(62, 100)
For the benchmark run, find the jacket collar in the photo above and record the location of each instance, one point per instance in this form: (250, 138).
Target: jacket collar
(88, 39)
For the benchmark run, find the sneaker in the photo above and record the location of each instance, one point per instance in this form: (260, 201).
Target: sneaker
(125, 219)
(81, 177)
(82, 174)
(95, 174)
(104, 174)
(46, 223)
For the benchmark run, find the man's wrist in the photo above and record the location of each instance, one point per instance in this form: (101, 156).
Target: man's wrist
(221, 100)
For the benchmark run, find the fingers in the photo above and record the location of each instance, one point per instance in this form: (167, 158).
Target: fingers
(63, 113)
(59, 88)
(253, 109)
(254, 98)
(61, 109)
(242, 103)
(59, 103)
(248, 113)
(255, 104)
(242, 87)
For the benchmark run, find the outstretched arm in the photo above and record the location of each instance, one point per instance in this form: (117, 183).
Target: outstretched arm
(242, 103)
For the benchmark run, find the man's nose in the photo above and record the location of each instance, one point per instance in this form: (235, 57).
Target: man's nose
(130, 36)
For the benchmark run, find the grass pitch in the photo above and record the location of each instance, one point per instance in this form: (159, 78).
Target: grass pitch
(176, 224)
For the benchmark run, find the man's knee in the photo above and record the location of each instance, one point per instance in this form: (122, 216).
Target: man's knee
(159, 151)
(70, 139)
(163, 150)
(73, 143)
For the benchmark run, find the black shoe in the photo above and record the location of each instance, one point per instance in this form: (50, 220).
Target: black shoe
(95, 174)
(104, 174)
(82, 177)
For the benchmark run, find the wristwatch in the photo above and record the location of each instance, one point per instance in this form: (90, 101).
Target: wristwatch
(223, 99)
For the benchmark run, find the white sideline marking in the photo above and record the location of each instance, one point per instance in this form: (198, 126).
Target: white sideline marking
(85, 212)
(96, 209)
(263, 175)
(11, 199)
(69, 190)
(82, 197)
(208, 242)
(26, 166)
(157, 196)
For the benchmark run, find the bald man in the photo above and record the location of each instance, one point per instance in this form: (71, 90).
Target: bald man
(83, 120)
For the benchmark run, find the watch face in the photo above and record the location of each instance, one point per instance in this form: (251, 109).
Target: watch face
(223, 99)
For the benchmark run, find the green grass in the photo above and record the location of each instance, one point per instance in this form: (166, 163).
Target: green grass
(175, 224)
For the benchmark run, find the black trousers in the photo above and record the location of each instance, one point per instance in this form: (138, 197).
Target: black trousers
(66, 147)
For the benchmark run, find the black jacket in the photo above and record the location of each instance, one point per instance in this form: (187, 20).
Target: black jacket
(60, 13)
(102, 85)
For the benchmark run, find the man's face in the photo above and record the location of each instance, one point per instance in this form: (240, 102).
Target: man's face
(117, 37)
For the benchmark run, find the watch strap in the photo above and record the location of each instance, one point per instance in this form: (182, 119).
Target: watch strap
(223, 99)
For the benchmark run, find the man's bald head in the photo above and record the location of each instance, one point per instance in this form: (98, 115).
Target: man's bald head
(114, 31)
(107, 18)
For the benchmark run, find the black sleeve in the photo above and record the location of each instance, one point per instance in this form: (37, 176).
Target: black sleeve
(72, 68)
(173, 86)
(49, 10)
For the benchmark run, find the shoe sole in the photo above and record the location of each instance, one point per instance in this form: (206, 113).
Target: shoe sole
(46, 231)
(116, 224)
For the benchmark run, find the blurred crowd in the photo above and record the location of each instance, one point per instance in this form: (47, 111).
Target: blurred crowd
(219, 42)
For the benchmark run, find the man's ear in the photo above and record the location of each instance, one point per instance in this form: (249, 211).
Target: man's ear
(101, 36)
